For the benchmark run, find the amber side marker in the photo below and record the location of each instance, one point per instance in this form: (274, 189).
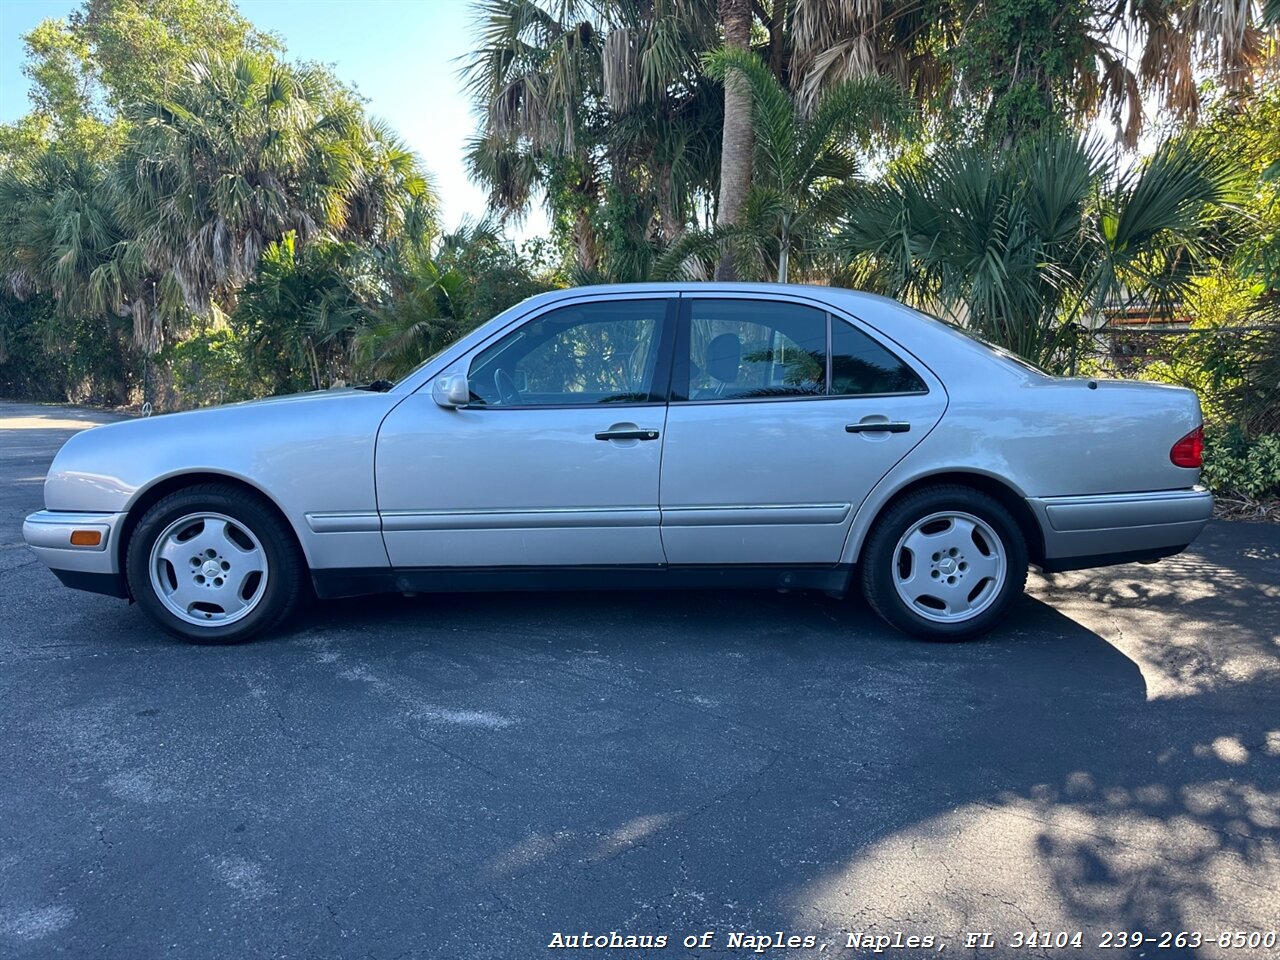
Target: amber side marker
(86, 538)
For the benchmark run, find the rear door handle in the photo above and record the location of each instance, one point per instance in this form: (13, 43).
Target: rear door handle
(638, 433)
(878, 426)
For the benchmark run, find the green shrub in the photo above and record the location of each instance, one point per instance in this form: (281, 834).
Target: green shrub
(1239, 467)
(28, 369)
(49, 356)
(211, 367)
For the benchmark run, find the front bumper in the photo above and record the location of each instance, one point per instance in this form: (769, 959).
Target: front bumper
(96, 568)
(1121, 527)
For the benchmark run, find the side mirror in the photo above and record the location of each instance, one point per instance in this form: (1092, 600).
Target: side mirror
(451, 391)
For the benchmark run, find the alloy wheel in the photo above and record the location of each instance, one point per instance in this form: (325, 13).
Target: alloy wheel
(949, 567)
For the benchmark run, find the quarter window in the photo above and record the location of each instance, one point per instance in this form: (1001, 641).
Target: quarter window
(581, 354)
(860, 366)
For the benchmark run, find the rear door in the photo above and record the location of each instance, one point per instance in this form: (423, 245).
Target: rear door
(782, 419)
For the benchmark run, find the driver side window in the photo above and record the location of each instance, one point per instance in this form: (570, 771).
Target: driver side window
(588, 353)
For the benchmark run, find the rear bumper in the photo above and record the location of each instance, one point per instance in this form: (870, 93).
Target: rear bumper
(96, 568)
(1119, 528)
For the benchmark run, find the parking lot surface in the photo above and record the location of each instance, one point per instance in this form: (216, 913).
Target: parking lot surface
(467, 776)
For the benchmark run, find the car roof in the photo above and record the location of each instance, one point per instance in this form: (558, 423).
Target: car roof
(813, 291)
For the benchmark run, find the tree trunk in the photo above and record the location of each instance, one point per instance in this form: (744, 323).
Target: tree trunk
(584, 240)
(672, 225)
(738, 142)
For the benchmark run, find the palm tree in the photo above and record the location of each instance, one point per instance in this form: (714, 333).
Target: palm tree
(737, 142)
(534, 75)
(603, 107)
(242, 153)
(418, 321)
(1064, 60)
(1022, 245)
(56, 225)
(434, 296)
(806, 168)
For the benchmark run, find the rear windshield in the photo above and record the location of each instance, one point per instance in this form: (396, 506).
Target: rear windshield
(1003, 353)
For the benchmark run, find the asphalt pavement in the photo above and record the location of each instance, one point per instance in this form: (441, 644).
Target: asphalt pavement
(470, 776)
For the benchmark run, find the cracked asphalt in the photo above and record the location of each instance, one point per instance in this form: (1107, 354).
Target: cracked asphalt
(465, 776)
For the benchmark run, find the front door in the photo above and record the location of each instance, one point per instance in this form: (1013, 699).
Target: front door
(783, 417)
(556, 460)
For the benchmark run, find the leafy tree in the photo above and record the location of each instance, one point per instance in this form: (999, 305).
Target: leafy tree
(87, 69)
(58, 66)
(140, 47)
(47, 354)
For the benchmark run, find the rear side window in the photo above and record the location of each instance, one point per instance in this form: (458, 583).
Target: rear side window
(860, 366)
(740, 349)
(758, 349)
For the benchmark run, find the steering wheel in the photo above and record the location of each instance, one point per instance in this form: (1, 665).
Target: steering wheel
(505, 386)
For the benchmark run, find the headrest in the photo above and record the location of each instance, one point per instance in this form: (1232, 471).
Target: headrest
(724, 356)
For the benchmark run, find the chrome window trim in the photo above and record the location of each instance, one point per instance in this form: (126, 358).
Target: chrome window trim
(423, 377)
(463, 352)
(628, 405)
(830, 366)
(803, 396)
(871, 333)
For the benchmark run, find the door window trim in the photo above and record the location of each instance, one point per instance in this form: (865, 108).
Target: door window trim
(682, 347)
(659, 389)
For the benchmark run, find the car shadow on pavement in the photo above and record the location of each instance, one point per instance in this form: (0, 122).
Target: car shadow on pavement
(465, 775)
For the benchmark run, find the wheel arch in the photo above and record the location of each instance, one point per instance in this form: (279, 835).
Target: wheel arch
(996, 488)
(145, 498)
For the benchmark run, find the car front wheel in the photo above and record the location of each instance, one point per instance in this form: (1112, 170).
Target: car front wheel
(214, 564)
(944, 563)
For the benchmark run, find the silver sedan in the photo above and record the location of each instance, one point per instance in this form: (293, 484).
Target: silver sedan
(646, 436)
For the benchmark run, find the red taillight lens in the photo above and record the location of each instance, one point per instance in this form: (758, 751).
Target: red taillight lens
(1189, 451)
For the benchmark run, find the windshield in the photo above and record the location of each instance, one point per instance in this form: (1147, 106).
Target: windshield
(422, 364)
(1007, 354)
(522, 306)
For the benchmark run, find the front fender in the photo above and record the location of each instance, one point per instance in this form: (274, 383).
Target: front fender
(312, 455)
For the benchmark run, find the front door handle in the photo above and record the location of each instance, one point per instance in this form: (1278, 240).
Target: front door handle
(631, 433)
(878, 426)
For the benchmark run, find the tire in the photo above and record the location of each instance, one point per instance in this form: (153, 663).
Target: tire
(944, 563)
(213, 563)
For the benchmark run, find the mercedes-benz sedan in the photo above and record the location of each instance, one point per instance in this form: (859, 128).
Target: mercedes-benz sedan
(642, 436)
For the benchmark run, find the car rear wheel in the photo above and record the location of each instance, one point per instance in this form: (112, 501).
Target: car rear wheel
(214, 564)
(944, 563)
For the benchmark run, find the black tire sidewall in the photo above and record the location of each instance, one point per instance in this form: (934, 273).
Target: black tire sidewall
(282, 563)
(877, 568)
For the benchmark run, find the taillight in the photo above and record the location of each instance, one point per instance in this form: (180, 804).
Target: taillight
(1189, 451)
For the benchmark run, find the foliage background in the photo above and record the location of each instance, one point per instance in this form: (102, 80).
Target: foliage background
(188, 216)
